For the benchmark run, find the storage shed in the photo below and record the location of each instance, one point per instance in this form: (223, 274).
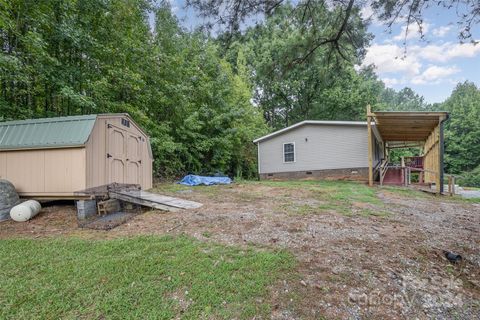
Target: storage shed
(57, 157)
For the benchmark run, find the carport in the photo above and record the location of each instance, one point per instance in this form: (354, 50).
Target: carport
(409, 129)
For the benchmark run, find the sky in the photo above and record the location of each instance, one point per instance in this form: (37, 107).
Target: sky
(431, 66)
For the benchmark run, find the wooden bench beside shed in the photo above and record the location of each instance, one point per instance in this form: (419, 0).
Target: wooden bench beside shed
(53, 158)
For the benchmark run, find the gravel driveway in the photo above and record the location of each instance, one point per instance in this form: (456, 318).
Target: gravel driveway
(357, 259)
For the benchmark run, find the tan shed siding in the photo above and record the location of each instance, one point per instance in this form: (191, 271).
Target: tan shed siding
(147, 167)
(97, 167)
(25, 169)
(317, 147)
(96, 155)
(64, 170)
(46, 171)
(3, 165)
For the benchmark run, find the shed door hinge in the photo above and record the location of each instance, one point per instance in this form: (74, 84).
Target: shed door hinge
(109, 155)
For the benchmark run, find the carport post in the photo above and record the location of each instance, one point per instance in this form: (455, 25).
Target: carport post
(440, 155)
(370, 147)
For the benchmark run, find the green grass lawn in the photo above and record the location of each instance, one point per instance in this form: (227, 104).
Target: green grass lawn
(339, 196)
(345, 197)
(141, 277)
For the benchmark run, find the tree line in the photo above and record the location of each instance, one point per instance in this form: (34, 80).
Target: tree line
(67, 57)
(203, 98)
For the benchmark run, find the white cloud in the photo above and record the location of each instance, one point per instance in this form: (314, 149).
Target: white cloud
(447, 51)
(388, 58)
(417, 65)
(435, 74)
(390, 82)
(414, 31)
(466, 50)
(441, 31)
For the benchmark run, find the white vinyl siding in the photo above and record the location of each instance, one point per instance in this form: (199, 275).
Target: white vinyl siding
(317, 147)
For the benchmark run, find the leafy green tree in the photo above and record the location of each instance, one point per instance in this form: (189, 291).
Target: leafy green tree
(66, 57)
(403, 100)
(471, 178)
(290, 86)
(462, 130)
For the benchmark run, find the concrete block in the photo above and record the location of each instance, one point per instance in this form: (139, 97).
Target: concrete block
(86, 209)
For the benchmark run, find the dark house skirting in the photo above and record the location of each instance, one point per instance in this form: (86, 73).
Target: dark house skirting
(360, 174)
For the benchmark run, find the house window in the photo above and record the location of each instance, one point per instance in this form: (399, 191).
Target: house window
(289, 152)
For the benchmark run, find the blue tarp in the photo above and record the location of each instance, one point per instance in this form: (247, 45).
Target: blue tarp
(193, 180)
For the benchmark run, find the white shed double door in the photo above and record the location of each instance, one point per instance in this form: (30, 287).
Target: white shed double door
(124, 155)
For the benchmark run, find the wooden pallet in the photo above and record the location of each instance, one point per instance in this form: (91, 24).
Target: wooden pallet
(153, 200)
(102, 192)
(108, 206)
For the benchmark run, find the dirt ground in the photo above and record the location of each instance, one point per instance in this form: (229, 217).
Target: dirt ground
(350, 266)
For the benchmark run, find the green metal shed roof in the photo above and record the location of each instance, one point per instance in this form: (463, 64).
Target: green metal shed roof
(46, 133)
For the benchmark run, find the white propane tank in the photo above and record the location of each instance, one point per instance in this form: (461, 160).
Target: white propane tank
(25, 210)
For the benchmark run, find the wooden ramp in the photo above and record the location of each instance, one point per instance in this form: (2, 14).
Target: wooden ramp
(394, 176)
(153, 200)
